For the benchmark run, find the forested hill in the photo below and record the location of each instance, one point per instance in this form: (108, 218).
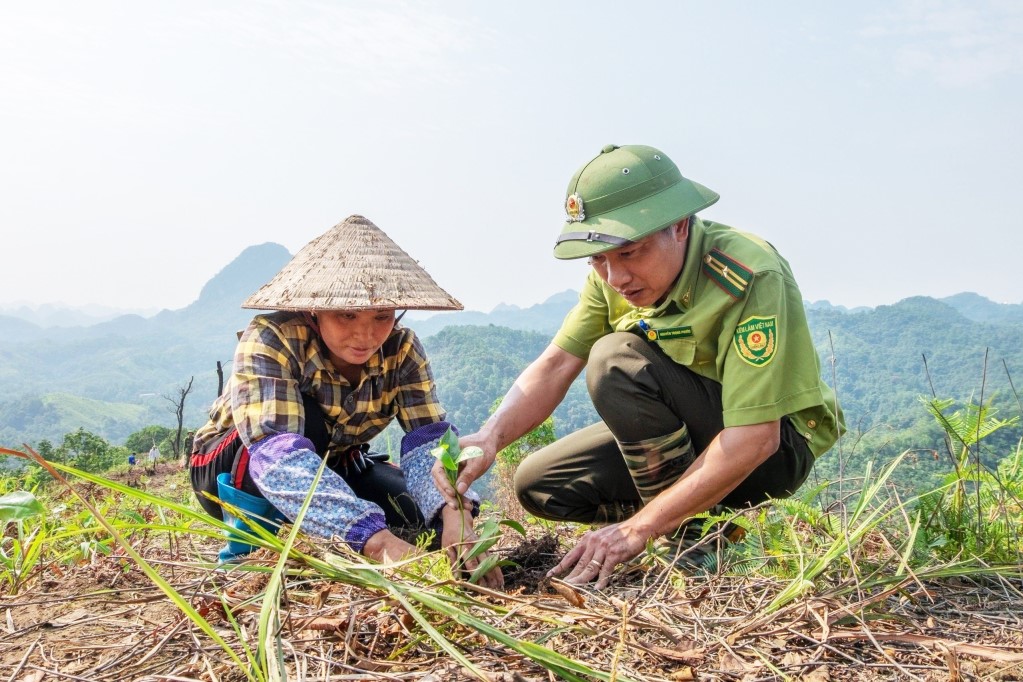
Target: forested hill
(475, 365)
(885, 359)
(111, 378)
(979, 309)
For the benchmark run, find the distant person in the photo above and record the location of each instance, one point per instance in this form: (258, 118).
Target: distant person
(131, 460)
(319, 379)
(154, 455)
(698, 360)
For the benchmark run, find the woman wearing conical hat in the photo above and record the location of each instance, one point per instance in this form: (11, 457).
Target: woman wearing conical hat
(319, 378)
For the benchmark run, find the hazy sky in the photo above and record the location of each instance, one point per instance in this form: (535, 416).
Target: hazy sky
(143, 145)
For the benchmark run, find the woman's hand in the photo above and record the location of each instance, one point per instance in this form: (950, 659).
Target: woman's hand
(385, 547)
(458, 538)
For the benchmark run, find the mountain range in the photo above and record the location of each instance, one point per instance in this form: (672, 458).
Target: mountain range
(117, 376)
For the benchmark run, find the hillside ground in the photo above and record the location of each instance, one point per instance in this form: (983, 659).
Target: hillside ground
(102, 618)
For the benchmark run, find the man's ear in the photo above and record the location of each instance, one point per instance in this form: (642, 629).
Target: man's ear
(682, 228)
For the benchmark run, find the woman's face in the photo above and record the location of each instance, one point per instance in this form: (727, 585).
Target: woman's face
(352, 337)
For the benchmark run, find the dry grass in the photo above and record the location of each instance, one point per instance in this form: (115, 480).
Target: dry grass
(105, 620)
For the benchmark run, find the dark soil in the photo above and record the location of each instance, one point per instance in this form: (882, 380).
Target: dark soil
(532, 558)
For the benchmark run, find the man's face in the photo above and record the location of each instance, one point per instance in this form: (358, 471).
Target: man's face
(644, 272)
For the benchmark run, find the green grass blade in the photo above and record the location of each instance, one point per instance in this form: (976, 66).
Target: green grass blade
(269, 613)
(557, 663)
(180, 602)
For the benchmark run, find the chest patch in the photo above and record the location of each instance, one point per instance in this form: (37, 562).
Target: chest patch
(756, 340)
(729, 274)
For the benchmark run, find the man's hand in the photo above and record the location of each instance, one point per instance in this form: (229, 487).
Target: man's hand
(599, 552)
(458, 539)
(530, 400)
(468, 472)
(729, 458)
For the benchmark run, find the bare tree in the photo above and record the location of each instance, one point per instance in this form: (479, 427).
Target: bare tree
(220, 378)
(179, 409)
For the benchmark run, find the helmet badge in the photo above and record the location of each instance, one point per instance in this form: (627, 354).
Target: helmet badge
(574, 208)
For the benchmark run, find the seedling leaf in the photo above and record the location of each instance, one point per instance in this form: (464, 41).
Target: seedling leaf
(471, 452)
(19, 505)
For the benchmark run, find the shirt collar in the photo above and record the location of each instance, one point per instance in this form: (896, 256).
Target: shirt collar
(683, 293)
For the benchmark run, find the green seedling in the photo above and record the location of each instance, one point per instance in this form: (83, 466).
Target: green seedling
(19, 551)
(452, 455)
(489, 534)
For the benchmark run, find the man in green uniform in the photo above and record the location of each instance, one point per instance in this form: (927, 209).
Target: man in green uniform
(698, 360)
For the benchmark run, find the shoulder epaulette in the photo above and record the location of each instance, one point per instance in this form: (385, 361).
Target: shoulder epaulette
(727, 273)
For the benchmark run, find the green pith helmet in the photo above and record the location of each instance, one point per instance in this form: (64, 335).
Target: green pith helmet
(623, 195)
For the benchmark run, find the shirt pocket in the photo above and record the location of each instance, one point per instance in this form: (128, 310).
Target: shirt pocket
(682, 351)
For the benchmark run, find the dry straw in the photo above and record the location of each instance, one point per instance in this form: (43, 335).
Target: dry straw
(352, 266)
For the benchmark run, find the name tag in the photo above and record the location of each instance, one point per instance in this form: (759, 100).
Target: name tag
(674, 332)
(665, 333)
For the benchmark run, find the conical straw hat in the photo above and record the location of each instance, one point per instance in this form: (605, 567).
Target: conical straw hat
(352, 266)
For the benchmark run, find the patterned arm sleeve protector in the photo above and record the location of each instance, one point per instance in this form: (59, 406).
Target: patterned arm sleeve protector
(284, 466)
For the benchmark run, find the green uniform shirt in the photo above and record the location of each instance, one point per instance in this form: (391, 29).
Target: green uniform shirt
(736, 316)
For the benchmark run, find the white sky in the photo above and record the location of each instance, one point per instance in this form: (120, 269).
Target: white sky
(143, 145)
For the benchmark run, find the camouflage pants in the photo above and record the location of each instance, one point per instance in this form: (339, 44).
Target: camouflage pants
(658, 416)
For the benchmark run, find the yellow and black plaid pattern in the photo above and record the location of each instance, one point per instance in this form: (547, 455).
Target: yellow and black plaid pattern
(280, 357)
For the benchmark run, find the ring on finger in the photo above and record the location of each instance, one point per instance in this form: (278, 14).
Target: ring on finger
(598, 564)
